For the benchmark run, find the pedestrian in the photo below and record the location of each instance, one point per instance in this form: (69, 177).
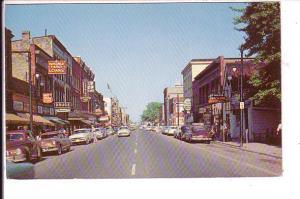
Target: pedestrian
(225, 131)
(278, 133)
(213, 132)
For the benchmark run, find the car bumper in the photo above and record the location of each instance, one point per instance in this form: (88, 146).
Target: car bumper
(123, 134)
(79, 140)
(49, 149)
(16, 158)
(201, 139)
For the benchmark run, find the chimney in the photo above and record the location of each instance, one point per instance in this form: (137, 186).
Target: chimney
(26, 35)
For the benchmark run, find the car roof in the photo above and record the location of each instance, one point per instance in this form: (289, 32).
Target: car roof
(51, 133)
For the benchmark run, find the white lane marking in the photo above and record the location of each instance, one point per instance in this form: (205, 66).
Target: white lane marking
(133, 170)
(244, 163)
(135, 143)
(135, 151)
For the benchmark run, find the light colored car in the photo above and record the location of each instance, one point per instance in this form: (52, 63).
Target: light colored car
(148, 128)
(54, 141)
(100, 133)
(82, 136)
(123, 131)
(109, 131)
(172, 130)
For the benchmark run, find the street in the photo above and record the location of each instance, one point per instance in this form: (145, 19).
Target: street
(152, 155)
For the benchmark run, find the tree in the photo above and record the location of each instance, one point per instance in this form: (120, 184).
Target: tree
(151, 113)
(261, 24)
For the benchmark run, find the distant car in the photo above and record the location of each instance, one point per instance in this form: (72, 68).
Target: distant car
(165, 130)
(148, 128)
(22, 170)
(82, 136)
(184, 130)
(197, 133)
(123, 131)
(22, 146)
(55, 141)
(100, 133)
(109, 131)
(172, 130)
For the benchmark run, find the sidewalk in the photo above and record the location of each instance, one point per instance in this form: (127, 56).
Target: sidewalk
(255, 147)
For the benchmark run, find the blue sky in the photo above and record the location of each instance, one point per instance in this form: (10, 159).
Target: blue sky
(139, 49)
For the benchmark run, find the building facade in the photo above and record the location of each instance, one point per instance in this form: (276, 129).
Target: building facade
(192, 69)
(169, 94)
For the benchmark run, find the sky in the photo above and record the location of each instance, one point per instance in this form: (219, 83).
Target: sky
(138, 49)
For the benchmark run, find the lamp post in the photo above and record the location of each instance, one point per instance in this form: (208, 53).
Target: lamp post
(241, 98)
(177, 110)
(30, 95)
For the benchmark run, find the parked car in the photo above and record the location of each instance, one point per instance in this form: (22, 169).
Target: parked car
(123, 131)
(165, 130)
(55, 141)
(22, 146)
(23, 170)
(172, 130)
(197, 133)
(82, 136)
(183, 131)
(177, 133)
(148, 128)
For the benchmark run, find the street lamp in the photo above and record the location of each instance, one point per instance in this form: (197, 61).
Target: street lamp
(241, 95)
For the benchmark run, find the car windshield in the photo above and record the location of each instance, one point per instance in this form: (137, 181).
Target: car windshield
(14, 136)
(81, 131)
(46, 136)
(199, 129)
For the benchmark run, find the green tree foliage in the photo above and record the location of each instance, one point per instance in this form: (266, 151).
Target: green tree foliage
(151, 113)
(261, 24)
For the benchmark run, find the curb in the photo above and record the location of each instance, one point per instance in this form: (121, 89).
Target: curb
(243, 149)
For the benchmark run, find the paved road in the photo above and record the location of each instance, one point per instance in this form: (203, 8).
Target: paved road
(152, 155)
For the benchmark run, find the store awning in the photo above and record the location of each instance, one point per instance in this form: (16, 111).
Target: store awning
(55, 120)
(36, 119)
(14, 119)
(88, 122)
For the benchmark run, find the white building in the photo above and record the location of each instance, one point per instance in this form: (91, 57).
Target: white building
(192, 69)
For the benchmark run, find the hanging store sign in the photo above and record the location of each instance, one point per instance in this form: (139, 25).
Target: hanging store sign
(216, 99)
(90, 86)
(85, 99)
(61, 107)
(47, 98)
(63, 110)
(57, 67)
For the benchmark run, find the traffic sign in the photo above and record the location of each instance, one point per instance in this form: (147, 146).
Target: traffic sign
(242, 105)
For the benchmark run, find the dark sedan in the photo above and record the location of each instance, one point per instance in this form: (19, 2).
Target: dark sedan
(22, 146)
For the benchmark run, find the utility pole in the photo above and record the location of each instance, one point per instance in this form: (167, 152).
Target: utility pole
(177, 110)
(241, 98)
(30, 94)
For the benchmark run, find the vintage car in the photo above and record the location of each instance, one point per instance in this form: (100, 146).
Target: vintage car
(82, 136)
(55, 141)
(100, 133)
(197, 132)
(123, 131)
(22, 146)
(172, 130)
(21, 170)
(110, 130)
